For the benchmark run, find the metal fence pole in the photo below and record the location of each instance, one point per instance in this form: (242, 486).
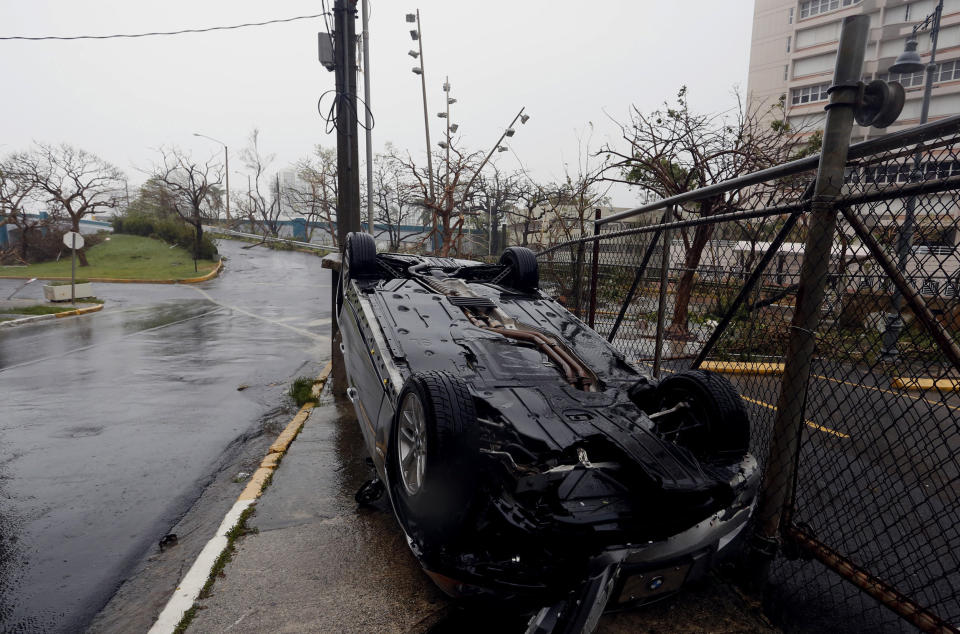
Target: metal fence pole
(594, 271)
(774, 497)
(664, 282)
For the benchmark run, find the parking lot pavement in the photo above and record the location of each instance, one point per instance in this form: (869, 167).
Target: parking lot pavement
(317, 563)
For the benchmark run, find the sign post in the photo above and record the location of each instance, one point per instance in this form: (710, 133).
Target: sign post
(75, 241)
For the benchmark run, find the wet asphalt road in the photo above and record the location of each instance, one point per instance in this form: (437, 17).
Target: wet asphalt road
(112, 423)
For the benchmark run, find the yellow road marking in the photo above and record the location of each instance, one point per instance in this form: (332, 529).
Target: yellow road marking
(886, 391)
(809, 423)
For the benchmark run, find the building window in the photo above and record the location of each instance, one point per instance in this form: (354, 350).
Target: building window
(788, 43)
(809, 94)
(790, 17)
(811, 8)
(945, 71)
(786, 70)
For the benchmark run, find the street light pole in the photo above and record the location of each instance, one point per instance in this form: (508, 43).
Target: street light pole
(418, 35)
(226, 166)
(909, 62)
(368, 116)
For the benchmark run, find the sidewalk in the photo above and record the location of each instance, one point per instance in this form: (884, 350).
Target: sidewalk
(317, 563)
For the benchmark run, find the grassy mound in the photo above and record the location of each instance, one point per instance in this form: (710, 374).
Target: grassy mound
(123, 257)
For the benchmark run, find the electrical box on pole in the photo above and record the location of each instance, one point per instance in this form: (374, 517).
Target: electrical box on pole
(325, 47)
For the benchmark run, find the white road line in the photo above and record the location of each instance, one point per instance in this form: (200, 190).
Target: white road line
(299, 331)
(111, 341)
(189, 589)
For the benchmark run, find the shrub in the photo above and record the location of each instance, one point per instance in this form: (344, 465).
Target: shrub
(170, 230)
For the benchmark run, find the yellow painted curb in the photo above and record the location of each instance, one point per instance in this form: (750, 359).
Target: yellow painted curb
(279, 447)
(923, 384)
(117, 280)
(79, 311)
(741, 367)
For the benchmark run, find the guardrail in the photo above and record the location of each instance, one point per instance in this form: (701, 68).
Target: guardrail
(253, 236)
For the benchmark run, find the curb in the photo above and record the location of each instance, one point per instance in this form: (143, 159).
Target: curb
(34, 318)
(116, 280)
(732, 367)
(189, 588)
(918, 384)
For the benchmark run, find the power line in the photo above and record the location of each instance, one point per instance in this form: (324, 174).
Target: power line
(153, 33)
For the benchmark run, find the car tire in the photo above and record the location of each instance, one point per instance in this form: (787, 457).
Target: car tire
(361, 255)
(722, 425)
(524, 274)
(434, 505)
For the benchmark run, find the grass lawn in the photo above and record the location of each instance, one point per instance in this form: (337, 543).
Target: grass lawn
(39, 309)
(122, 257)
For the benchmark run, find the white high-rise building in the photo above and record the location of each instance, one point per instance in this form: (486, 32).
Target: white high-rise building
(794, 48)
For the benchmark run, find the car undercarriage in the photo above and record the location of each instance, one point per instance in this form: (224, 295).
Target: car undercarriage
(525, 459)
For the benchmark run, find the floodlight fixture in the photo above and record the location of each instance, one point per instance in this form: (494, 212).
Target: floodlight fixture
(417, 70)
(524, 118)
(446, 86)
(454, 126)
(413, 54)
(510, 132)
(411, 17)
(414, 35)
(502, 148)
(451, 100)
(443, 144)
(442, 115)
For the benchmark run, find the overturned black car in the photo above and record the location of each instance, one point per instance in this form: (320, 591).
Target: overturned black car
(525, 459)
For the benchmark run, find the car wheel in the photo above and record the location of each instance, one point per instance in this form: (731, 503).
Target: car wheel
(433, 455)
(524, 275)
(712, 419)
(360, 255)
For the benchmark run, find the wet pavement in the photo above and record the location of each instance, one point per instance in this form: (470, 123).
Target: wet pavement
(316, 562)
(113, 423)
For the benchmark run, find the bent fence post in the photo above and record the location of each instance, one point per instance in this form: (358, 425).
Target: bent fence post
(780, 466)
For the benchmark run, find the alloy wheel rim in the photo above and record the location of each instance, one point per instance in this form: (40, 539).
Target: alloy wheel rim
(412, 444)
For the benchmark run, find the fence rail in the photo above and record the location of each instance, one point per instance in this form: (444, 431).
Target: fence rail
(875, 480)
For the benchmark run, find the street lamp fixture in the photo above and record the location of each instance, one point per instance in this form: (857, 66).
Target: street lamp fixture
(454, 127)
(510, 132)
(443, 145)
(502, 148)
(442, 115)
(226, 166)
(413, 54)
(411, 17)
(446, 86)
(417, 70)
(909, 60)
(524, 118)
(414, 35)
(451, 100)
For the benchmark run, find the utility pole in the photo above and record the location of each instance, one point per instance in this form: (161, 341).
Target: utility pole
(348, 165)
(367, 114)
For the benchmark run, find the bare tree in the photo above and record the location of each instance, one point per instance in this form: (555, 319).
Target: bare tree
(16, 191)
(529, 210)
(257, 207)
(315, 193)
(194, 187)
(395, 199)
(455, 184)
(495, 193)
(72, 180)
(674, 150)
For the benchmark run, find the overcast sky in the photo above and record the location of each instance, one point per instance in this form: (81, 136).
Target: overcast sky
(567, 62)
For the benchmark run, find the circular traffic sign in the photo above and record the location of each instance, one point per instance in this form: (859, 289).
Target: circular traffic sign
(73, 240)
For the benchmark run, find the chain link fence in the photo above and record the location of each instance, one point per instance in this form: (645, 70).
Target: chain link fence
(724, 278)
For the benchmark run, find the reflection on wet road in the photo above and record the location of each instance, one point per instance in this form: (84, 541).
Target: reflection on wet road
(112, 423)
